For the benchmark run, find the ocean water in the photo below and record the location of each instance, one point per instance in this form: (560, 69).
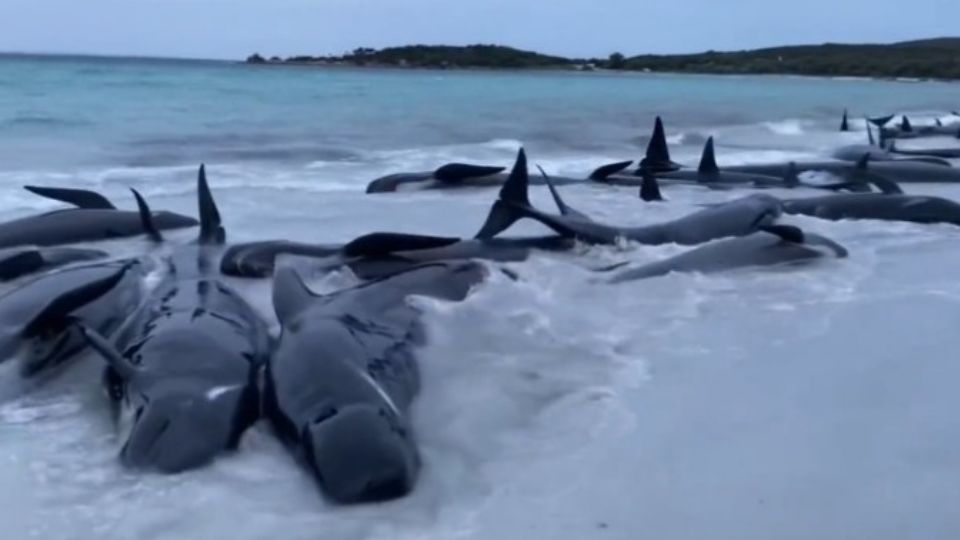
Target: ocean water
(811, 402)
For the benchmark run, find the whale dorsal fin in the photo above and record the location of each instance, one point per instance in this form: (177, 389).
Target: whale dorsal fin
(864, 162)
(787, 233)
(601, 173)
(562, 206)
(384, 243)
(938, 122)
(905, 125)
(513, 197)
(211, 228)
(123, 366)
(708, 161)
(844, 123)
(650, 188)
(790, 177)
(658, 153)
(81, 198)
(456, 172)
(290, 294)
(15, 262)
(146, 218)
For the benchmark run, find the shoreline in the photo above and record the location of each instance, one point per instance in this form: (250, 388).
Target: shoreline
(574, 70)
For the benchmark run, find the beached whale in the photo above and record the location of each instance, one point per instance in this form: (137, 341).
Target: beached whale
(897, 171)
(94, 218)
(734, 218)
(907, 130)
(340, 384)
(459, 175)
(379, 254)
(182, 370)
(773, 245)
(38, 337)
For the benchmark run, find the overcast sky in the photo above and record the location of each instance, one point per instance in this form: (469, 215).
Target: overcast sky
(235, 28)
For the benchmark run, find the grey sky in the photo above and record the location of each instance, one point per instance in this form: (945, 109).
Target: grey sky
(234, 28)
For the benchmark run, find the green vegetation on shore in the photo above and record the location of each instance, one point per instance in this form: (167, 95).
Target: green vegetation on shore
(932, 58)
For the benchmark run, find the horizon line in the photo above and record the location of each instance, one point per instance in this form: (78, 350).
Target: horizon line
(157, 56)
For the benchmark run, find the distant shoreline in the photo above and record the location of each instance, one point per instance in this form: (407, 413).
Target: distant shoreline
(925, 60)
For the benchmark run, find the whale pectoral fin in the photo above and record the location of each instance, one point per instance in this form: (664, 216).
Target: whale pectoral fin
(380, 244)
(601, 173)
(58, 311)
(457, 172)
(885, 185)
(787, 233)
(123, 366)
(561, 205)
(146, 218)
(290, 294)
(81, 198)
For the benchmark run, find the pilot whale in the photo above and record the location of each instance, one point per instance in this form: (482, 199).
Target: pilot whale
(734, 218)
(20, 261)
(378, 254)
(459, 175)
(38, 334)
(94, 218)
(339, 386)
(773, 245)
(182, 370)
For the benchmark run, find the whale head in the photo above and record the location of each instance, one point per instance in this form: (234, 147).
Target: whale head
(362, 453)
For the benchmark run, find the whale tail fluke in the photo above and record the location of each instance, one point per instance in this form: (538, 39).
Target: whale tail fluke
(650, 188)
(211, 227)
(844, 122)
(881, 121)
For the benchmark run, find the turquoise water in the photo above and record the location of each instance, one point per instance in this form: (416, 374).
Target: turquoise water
(797, 403)
(67, 113)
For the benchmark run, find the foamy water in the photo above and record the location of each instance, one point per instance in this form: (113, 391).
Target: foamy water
(810, 402)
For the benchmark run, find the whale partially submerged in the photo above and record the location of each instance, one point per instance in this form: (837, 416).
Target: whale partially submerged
(93, 218)
(379, 254)
(182, 370)
(20, 261)
(339, 386)
(460, 175)
(771, 246)
(37, 319)
(734, 218)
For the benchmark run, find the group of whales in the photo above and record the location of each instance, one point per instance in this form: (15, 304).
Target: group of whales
(190, 365)
(901, 166)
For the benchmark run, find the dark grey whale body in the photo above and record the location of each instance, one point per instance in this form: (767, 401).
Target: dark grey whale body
(37, 318)
(20, 261)
(734, 218)
(340, 383)
(95, 218)
(379, 254)
(888, 207)
(459, 175)
(764, 248)
(182, 370)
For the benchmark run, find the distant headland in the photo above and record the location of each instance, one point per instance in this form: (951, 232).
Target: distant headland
(924, 59)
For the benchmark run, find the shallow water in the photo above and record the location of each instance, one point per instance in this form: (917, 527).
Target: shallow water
(810, 402)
